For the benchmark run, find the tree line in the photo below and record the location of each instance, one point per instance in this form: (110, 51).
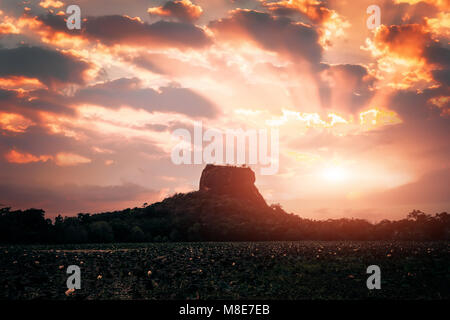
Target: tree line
(197, 216)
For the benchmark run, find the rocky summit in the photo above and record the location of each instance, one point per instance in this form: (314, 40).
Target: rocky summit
(236, 182)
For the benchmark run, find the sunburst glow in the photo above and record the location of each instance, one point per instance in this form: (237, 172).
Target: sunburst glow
(335, 174)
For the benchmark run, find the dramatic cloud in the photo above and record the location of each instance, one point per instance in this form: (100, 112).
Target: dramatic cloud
(117, 29)
(61, 159)
(14, 156)
(439, 57)
(349, 87)
(416, 106)
(38, 141)
(32, 102)
(14, 122)
(417, 12)
(329, 23)
(49, 66)
(129, 92)
(279, 35)
(413, 46)
(86, 116)
(183, 10)
(314, 10)
(404, 41)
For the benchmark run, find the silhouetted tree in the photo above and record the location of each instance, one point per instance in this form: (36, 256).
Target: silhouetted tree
(198, 217)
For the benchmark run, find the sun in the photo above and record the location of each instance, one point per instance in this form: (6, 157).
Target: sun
(334, 174)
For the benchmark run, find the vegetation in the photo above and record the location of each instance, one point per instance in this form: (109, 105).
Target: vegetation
(228, 270)
(198, 216)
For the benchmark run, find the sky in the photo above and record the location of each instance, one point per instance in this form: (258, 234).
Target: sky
(87, 115)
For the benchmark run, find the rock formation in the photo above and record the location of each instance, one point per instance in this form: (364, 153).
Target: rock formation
(237, 182)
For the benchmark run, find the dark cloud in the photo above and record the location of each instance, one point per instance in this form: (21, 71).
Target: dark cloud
(49, 66)
(8, 97)
(346, 87)
(405, 40)
(129, 92)
(31, 103)
(404, 13)
(38, 141)
(439, 56)
(314, 11)
(280, 35)
(442, 76)
(183, 10)
(414, 107)
(118, 29)
(112, 94)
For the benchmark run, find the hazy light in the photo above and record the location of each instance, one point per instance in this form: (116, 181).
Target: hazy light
(335, 174)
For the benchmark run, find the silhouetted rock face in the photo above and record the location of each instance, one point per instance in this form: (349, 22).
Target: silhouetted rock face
(237, 182)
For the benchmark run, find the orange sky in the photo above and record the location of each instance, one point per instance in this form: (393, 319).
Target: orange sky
(86, 116)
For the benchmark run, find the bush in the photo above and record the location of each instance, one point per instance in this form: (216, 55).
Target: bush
(100, 231)
(137, 234)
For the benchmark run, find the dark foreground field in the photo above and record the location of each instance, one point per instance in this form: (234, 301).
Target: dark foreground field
(246, 270)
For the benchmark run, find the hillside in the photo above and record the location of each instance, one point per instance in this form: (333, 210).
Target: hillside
(227, 207)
